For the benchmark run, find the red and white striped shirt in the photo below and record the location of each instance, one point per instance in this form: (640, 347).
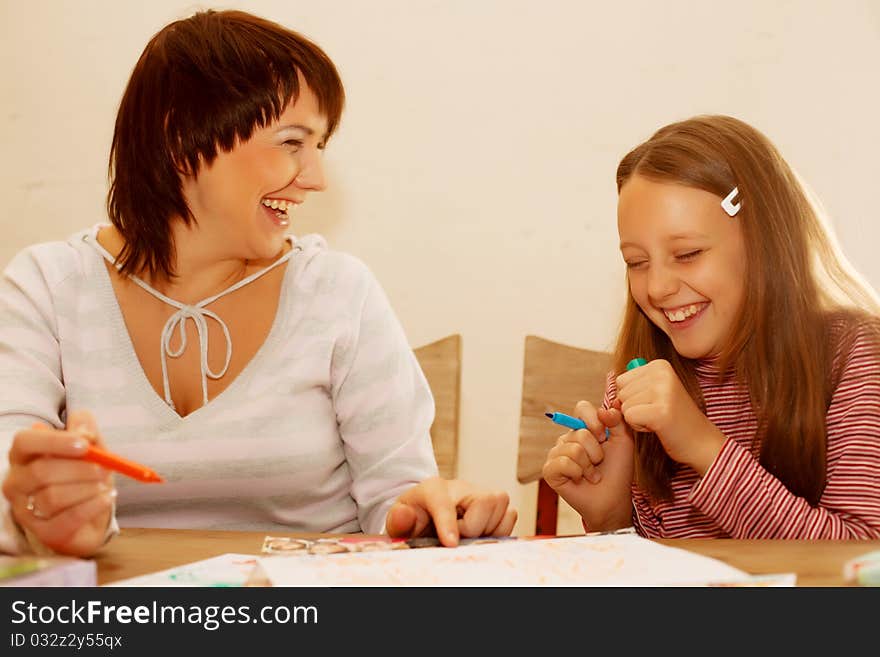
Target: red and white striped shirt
(738, 498)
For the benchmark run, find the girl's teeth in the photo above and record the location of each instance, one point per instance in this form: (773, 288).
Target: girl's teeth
(681, 314)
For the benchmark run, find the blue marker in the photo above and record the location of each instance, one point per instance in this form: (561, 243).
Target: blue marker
(574, 423)
(567, 421)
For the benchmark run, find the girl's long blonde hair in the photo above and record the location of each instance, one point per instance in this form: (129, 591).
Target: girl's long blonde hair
(796, 280)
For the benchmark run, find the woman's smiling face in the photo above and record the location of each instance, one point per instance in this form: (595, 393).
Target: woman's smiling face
(250, 192)
(686, 262)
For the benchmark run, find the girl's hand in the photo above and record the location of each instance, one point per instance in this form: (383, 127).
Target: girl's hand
(653, 399)
(63, 501)
(593, 474)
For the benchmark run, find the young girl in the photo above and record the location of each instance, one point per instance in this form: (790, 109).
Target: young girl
(758, 412)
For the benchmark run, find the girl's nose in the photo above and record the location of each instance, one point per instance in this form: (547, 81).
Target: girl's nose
(662, 283)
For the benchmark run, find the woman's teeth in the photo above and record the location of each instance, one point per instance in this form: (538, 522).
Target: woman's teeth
(683, 313)
(281, 207)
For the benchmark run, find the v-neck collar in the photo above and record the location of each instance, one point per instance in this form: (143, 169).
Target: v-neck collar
(132, 362)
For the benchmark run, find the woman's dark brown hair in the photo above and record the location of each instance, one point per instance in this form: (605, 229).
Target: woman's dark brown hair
(780, 345)
(201, 84)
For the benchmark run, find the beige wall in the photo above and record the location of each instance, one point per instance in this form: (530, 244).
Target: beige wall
(474, 170)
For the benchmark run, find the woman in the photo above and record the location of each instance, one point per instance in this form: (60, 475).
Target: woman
(296, 403)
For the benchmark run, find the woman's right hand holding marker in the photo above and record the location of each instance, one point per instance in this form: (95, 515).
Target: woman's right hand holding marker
(62, 500)
(594, 474)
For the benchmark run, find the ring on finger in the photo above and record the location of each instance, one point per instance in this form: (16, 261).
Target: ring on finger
(32, 507)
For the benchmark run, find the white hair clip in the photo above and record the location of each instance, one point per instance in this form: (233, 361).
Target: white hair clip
(729, 206)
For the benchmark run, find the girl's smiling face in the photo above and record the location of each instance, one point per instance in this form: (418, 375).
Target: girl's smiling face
(686, 262)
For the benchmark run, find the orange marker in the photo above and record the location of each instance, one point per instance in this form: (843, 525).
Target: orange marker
(121, 465)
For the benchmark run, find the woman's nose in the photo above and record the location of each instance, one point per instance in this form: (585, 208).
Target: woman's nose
(311, 175)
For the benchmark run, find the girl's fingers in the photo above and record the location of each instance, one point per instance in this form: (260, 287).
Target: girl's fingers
(588, 413)
(578, 453)
(561, 469)
(564, 468)
(636, 388)
(591, 444)
(636, 381)
(639, 417)
(614, 420)
(646, 396)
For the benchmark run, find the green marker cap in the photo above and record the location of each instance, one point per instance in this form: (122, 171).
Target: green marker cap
(634, 363)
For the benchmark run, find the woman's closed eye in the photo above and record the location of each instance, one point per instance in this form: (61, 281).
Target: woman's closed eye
(296, 144)
(635, 264)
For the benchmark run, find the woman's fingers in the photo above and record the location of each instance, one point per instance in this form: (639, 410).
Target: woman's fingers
(47, 471)
(80, 421)
(482, 513)
(508, 521)
(433, 497)
(83, 423)
(405, 520)
(48, 502)
(57, 532)
(30, 444)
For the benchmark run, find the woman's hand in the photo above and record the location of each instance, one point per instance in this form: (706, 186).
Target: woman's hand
(63, 501)
(450, 508)
(594, 474)
(652, 398)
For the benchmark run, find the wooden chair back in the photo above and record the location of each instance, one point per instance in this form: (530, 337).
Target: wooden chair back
(441, 363)
(555, 378)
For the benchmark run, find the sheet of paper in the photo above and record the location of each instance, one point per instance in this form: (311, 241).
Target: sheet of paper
(224, 570)
(605, 560)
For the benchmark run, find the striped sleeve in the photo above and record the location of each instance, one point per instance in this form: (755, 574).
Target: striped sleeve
(384, 408)
(748, 502)
(641, 512)
(30, 368)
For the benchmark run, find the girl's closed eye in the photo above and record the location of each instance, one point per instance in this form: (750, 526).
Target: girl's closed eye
(636, 264)
(294, 144)
(690, 255)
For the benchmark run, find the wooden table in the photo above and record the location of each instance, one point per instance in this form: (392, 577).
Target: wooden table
(140, 551)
